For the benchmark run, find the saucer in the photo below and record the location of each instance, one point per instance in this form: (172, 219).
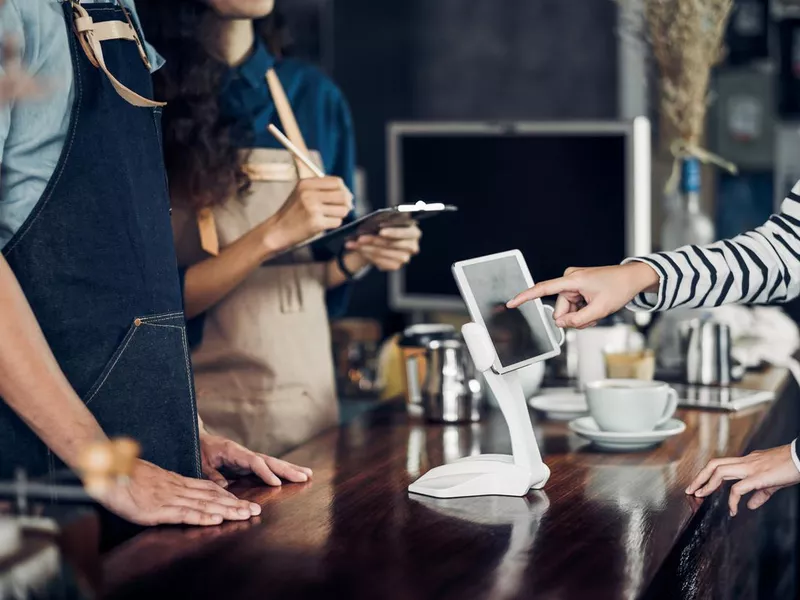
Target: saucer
(612, 440)
(560, 404)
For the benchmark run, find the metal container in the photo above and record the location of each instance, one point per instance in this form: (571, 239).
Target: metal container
(452, 393)
(707, 347)
(414, 345)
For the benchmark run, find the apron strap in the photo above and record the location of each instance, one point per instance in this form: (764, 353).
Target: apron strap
(288, 120)
(207, 226)
(206, 223)
(91, 34)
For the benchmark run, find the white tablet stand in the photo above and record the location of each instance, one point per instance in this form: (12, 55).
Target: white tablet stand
(492, 474)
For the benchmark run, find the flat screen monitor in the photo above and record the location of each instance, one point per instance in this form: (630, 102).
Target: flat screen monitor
(564, 193)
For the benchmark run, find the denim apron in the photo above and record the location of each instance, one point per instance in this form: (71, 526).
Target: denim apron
(264, 369)
(97, 263)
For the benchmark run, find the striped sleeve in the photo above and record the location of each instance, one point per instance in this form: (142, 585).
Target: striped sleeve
(758, 267)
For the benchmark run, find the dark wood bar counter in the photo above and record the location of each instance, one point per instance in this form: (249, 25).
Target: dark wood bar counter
(605, 526)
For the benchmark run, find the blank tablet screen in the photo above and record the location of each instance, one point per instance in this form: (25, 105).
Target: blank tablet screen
(518, 334)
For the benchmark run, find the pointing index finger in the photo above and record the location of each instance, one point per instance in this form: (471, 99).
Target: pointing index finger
(540, 290)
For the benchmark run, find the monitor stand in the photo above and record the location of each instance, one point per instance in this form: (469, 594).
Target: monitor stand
(492, 474)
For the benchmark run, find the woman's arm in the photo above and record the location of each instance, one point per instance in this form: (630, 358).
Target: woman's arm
(315, 205)
(354, 263)
(210, 280)
(760, 266)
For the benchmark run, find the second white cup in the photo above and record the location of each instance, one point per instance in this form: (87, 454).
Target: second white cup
(630, 405)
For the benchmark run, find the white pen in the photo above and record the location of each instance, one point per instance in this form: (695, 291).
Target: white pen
(287, 143)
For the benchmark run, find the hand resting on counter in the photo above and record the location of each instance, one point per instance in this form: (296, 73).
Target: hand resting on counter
(153, 496)
(218, 453)
(763, 472)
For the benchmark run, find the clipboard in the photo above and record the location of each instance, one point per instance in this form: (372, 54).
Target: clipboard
(403, 215)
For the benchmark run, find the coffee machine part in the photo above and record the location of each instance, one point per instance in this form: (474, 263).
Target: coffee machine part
(452, 392)
(418, 336)
(413, 345)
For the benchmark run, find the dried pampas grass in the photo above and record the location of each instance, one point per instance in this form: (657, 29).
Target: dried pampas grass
(686, 37)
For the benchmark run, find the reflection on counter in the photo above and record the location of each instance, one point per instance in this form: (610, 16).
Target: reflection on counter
(523, 515)
(452, 443)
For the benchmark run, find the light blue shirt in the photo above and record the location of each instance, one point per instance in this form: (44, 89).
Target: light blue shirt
(32, 132)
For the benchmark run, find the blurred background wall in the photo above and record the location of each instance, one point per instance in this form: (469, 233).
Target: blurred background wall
(457, 59)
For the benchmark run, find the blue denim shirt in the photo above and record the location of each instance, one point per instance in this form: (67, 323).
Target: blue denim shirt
(32, 132)
(321, 111)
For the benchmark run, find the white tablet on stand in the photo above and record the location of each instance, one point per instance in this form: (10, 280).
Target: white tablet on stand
(500, 341)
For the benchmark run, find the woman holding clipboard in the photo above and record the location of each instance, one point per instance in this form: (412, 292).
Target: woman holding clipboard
(262, 354)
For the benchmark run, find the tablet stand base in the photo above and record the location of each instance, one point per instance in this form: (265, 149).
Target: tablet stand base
(492, 474)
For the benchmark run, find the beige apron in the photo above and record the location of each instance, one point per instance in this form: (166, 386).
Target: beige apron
(264, 370)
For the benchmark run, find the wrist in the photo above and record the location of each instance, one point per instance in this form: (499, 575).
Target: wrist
(354, 262)
(271, 239)
(73, 451)
(350, 266)
(793, 455)
(645, 276)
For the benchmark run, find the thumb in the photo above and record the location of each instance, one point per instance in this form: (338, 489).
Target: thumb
(586, 316)
(215, 476)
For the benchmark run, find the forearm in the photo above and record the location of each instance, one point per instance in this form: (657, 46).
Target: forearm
(758, 267)
(354, 263)
(210, 280)
(31, 382)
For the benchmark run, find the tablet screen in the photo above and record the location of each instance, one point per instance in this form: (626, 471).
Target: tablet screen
(518, 334)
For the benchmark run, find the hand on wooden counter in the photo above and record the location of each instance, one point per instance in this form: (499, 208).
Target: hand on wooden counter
(153, 496)
(763, 472)
(218, 452)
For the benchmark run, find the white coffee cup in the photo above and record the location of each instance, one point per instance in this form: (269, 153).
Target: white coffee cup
(630, 405)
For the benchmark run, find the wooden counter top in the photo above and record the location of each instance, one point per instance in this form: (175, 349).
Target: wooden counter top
(606, 525)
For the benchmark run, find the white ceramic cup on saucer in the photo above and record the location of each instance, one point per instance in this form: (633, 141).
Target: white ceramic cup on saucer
(630, 405)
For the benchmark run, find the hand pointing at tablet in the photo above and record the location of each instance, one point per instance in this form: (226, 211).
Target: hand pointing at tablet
(586, 295)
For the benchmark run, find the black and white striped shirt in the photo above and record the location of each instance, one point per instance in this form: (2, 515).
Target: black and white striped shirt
(758, 267)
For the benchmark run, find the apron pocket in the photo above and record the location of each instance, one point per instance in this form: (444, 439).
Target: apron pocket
(270, 422)
(168, 320)
(146, 392)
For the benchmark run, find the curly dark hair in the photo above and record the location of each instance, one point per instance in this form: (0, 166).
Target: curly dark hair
(201, 153)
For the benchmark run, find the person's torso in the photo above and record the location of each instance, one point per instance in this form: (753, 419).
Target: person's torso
(318, 105)
(263, 371)
(33, 132)
(96, 261)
